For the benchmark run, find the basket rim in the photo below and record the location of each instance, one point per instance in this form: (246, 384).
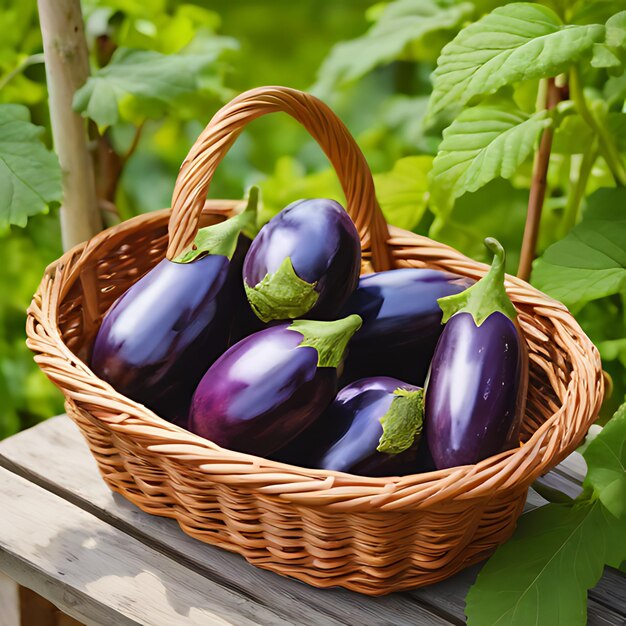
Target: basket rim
(512, 469)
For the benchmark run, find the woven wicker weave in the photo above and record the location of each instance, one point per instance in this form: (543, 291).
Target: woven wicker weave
(372, 535)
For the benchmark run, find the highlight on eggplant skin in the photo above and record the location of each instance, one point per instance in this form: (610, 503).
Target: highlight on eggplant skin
(472, 395)
(305, 262)
(476, 388)
(269, 387)
(346, 437)
(160, 336)
(401, 322)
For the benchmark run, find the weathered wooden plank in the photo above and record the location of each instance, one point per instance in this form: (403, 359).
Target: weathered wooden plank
(574, 467)
(67, 469)
(9, 615)
(76, 479)
(451, 597)
(98, 574)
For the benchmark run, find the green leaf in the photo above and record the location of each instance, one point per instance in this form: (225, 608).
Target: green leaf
(604, 56)
(403, 422)
(403, 192)
(290, 182)
(401, 23)
(282, 295)
(478, 215)
(483, 143)
(616, 30)
(542, 574)
(330, 339)
(515, 42)
(485, 297)
(606, 462)
(148, 81)
(30, 176)
(574, 135)
(221, 238)
(590, 262)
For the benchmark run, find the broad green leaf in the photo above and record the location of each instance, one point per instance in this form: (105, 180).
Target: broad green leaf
(289, 182)
(616, 30)
(604, 56)
(403, 192)
(512, 43)
(496, 210)
(148, 81)
(606, 462)
(30, 176)
(574, 135)
(400, 24)
(585, 12)
(590, 262)
(483, 143)
(613, 350)
(542, 574)
(164, 32)
(404, 116)
(615, 90)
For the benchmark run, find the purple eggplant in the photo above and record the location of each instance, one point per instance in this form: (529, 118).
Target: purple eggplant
(270, 386)
(160, 336)
(349, 436)
(476, 388)
(401, 322)
(304, 262)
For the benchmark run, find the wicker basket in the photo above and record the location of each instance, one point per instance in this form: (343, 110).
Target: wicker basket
(372, 535)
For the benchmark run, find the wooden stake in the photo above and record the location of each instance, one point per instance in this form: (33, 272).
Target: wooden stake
(67, 69)
(537, 190)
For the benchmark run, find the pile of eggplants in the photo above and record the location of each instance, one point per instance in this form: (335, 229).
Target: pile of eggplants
(267, 341)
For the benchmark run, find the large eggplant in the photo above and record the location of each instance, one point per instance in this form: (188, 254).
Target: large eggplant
(270, 386)
(476, 388)
(349, 436)
(401, 322)
(160, 336)
(304, 262)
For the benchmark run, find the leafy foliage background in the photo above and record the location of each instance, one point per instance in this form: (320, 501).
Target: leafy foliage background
(161, 69)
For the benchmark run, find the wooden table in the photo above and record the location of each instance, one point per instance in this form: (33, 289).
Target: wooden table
(101, 560)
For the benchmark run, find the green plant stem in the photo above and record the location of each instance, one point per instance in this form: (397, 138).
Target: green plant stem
(134, 143)
(605, 143)
(537, 189)
(33, 59)
(577, 191)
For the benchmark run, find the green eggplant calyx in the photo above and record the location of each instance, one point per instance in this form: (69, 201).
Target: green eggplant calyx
(282, 295)
(330, 339)
(403, 422)
(222, 238)
(487, 296)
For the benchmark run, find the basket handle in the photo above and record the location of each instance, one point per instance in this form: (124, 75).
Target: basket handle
(325, 127)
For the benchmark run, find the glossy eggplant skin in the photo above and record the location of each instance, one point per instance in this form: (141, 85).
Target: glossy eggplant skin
(475, 391)
(346, 436)
(401, 322)
(262, 392)
(323, 245)
(244, 321)
(162, 334)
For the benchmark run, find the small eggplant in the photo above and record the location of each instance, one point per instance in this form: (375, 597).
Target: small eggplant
(476, 389)
(269, 387)
(160, 336)
(304, 262)
(370, 429)
(401, 322)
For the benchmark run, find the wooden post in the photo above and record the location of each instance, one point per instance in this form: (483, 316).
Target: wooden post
(67, 69)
